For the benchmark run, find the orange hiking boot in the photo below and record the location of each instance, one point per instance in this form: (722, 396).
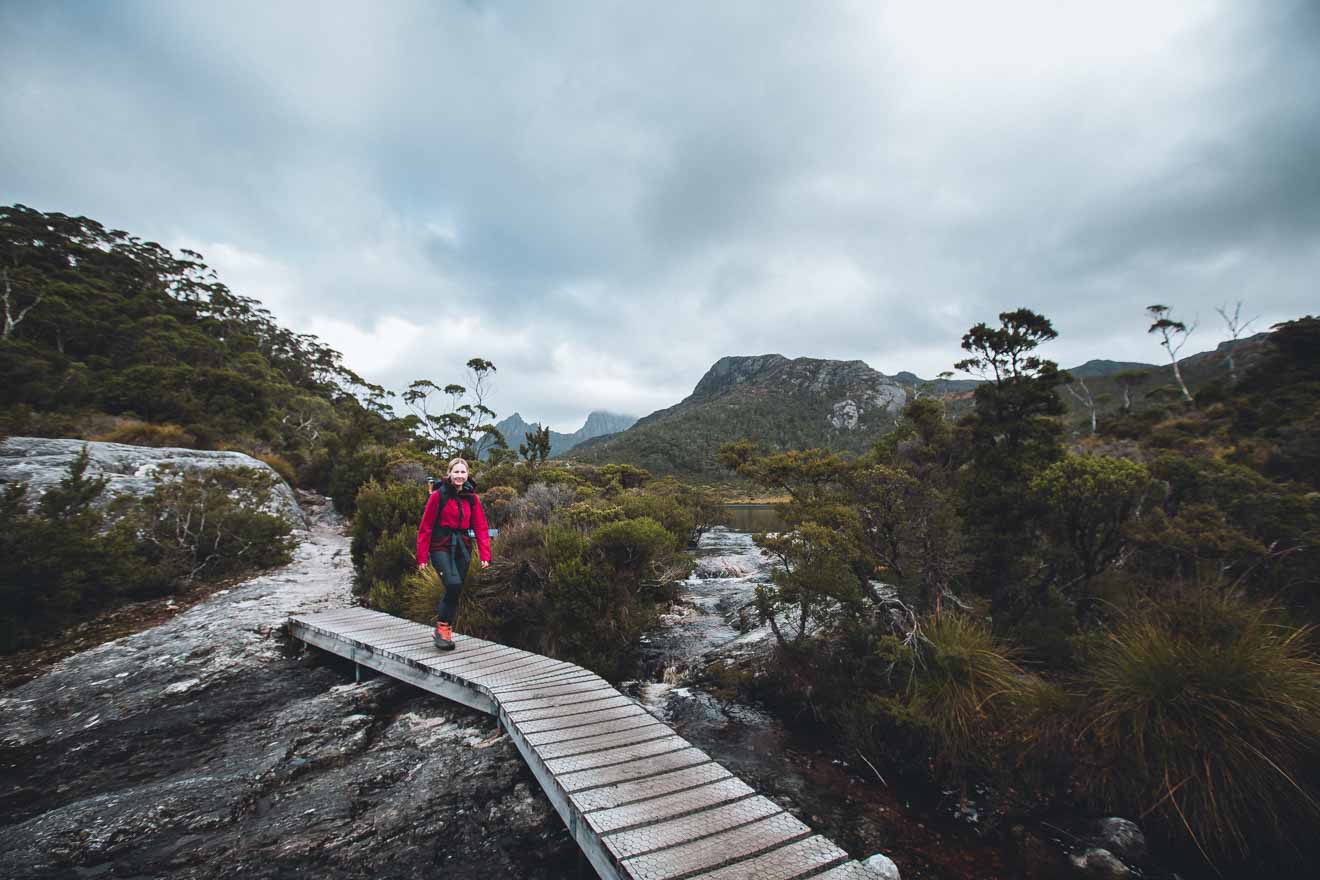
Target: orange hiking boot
(444, 637)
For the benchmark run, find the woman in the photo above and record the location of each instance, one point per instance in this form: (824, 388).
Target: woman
(452, 517)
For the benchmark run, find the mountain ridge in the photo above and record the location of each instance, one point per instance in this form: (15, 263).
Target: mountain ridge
(803, 402)
(598, 423)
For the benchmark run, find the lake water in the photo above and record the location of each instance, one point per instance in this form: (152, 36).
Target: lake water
(753, 518)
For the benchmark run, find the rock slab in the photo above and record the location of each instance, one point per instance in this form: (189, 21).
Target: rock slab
(213, 746)
(42, 462)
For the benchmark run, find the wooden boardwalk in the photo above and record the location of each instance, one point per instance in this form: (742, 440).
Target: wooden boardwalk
(640, 800)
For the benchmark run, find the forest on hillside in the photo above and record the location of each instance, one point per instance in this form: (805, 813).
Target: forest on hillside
(109, 337)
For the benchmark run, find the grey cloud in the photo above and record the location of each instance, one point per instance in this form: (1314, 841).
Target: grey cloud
(656, 189)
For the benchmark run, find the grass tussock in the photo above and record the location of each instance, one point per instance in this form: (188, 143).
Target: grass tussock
(1205, 715)
(964, 685)
(423, 590)
(138, 433)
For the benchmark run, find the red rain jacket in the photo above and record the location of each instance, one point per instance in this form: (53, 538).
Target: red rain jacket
(453, 512)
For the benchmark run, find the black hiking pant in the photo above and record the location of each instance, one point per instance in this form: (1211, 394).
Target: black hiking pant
(452, 564)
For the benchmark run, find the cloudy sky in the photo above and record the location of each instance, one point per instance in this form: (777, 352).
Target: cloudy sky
(603, 198)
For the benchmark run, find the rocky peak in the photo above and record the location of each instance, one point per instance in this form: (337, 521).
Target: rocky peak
(736, 370)
(601, 422)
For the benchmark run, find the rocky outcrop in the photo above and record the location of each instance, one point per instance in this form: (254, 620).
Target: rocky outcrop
(130, 470)
(212, 746)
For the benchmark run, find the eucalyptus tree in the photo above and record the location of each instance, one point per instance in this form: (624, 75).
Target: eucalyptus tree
(1173, 336)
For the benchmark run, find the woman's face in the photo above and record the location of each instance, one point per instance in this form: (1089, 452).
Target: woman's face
(458, 475)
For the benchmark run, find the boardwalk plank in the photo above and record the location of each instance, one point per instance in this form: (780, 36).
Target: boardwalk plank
(849, 871)
(632, 792)
(717, 850)
(564, 674)
(592, 729)
(694, 826)
(598, 777)
(795, 860)
(480, 674)
(510, 698)
(505, 674)
(617, 755)
(488, 659)
(580, 695)
(577, 722)
(536, 713)
(658, 809)
(602, 741)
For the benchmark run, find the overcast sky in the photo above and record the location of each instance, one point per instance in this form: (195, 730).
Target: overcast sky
(605, 198)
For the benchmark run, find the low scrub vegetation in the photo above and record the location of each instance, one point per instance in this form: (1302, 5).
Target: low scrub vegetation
(1121, 622)
(584, 561)
(69, 554)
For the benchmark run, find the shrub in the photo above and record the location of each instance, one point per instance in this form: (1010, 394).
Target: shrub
(498, 502)
(384, 567)
(280, 465)
(341, 473)
(214, 521)
(541, 500)
(384, 508)
(629, 546)
(386, 596)
(61, 560)
(136, 433)
(587, 515)
(1205, 714)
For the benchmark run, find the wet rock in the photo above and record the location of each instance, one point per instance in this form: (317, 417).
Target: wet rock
(1121, 837)
(709, 567)
(1101, 864)
(214, 746)
(882, 866)
(42, 463)
(1036, 857)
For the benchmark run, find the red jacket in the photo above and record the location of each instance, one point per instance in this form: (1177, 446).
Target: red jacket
(453, 513)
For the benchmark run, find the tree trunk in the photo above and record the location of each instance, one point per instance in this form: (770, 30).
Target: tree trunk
(1177, 374)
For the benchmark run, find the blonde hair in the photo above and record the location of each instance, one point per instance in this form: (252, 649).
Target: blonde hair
(455, 461)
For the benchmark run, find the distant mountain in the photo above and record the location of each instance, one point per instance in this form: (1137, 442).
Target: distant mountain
(846, 405)
(1109, 368)
(785, 404)
(599, 423)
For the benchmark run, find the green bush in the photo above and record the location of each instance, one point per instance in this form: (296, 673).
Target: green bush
(498, 503)
(630, 546)
(63, 560)
(587, 515)
(214, 521)
(391, 559)
(1204, 714)
(384, 509)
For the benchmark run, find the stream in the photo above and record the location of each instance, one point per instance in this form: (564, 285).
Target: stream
(928, 833)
